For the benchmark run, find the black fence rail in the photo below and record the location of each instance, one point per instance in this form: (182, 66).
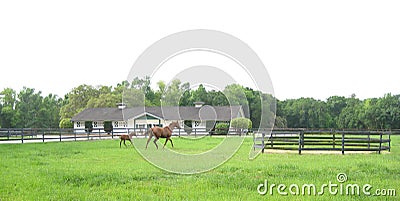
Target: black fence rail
(23, 135)
(45, 135)
(324, 140)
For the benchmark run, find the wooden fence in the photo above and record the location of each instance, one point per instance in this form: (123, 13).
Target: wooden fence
(23, 135)
(328, 140)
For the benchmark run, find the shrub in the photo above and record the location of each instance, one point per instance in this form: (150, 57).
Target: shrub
(66, 123)
(221, 128)
(241, 123)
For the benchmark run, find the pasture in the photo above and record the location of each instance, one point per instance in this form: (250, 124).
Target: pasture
(101, 170)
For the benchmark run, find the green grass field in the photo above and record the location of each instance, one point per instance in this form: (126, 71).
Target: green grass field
(100, 170)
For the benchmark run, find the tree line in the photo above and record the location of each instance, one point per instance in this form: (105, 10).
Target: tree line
(30, 109)
(339, 112)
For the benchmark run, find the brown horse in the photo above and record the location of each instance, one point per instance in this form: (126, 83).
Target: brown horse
(165, 132)
(126, 137)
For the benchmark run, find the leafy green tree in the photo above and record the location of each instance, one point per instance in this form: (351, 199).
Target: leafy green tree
(335, 105)
(218, 98)
(7, 108)
(280, 122)
(173, 93)
(255, 101)
(350, 115)
(77, 100)
(305, 113)
(8, 97)
(133, 97)
(186, 99)
(371, 113)
(28, 108)
(144, 86)
(49, 112)
(235, 94)
(267, 113)
(104, 100)
(389, 113)
(8, 116)
(200, 94)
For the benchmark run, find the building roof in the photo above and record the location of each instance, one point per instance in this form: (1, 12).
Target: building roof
(218, 113)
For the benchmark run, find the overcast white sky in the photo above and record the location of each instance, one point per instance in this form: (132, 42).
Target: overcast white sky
(310, 48)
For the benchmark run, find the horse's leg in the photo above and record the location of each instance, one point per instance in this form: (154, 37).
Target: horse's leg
(125, 143)
(150, 136)
(120, 143)
(148, 140)
(166, 140)
(131, 142)
(155, 142)
(171, 142)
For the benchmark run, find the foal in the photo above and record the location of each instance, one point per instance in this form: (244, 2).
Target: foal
(126, 137)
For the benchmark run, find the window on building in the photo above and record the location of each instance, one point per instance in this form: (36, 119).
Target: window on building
(78, 124)
(140, 125)
(116, 124)
(95, 124)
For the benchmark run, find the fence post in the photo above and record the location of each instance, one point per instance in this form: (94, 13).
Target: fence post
(262, 142)
(334, 139)
(271, 138)
(74, 134)
(112, 133)
(100, 135)
(43, 135)
(369, 140)
(342, 143)
(389, 140)
(380, 143)
(59, 131)
(8, 134)
(301, 139)
(254, 141)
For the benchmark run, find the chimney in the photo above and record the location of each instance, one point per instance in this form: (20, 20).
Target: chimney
(198, 104)
(121, 106)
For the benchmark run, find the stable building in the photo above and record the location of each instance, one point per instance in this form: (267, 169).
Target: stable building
(198, 117)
